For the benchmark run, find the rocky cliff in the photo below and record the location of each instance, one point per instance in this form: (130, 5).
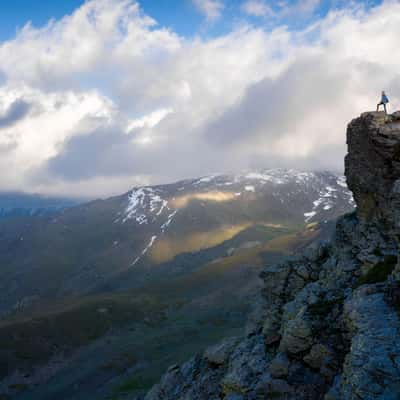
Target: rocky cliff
(327, 323)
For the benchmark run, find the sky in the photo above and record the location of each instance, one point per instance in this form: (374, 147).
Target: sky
(99, 96)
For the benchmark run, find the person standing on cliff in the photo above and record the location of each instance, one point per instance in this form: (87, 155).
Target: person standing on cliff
(384, 101)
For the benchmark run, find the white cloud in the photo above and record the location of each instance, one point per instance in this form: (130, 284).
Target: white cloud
(307, 6)
(148, 121)
(256, 8)
(212, 9)
(282, 11)
(105, 98)
(53, 119)
(65, 53)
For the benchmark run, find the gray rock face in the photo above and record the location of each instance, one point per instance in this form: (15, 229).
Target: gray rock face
(327, 323)
(279, 366)
(372, 368)
(373, 168)
(219, 354)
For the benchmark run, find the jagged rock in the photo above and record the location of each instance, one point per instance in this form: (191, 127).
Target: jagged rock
(277, 389)
(297, 335)
(319, 356)
(246, 364)
(373, 167)
(219, 353)
(325, 325)
(257, 316)
(234, 396)
(279, 366)
(372, 368)
(281, 284)
(193, 380)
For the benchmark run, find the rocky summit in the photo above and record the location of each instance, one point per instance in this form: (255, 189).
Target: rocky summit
(326, 325)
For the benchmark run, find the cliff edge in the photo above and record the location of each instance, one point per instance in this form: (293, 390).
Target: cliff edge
(373, 169)
(327, 323)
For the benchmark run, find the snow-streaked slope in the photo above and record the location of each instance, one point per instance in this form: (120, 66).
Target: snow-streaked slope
(324, 189)
(275, 194)
(144, 204)
(328, 198)
(93, 245)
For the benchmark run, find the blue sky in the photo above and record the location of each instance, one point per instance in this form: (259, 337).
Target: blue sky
(15, 14)
(179, 15)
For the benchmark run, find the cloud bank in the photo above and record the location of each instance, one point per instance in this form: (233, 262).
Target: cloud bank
(105, 98)
(212, 9)
(256, 8)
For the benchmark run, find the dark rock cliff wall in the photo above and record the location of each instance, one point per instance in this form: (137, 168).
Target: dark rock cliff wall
(373, 169)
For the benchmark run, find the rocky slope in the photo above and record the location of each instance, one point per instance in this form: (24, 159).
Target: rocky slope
(327, 323)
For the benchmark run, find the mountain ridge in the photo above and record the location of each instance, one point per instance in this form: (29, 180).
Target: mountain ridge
(14, 204)
(87, 247)
(138, 263)
(330, 190)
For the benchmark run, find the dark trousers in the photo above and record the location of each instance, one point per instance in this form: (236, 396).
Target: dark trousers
(381, 104)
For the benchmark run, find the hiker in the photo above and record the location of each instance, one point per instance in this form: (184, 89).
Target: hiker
(384, 101)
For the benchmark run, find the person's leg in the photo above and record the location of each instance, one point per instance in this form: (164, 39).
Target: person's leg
(384, 106)
(377, 107)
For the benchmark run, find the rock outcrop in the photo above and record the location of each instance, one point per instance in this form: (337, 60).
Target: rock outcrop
(373, 169)
(327, 323)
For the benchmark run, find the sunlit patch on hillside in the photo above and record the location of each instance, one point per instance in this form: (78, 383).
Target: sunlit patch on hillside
(252, 256)
(271, 225)
(214, 196)
(292, 242)
(166, 249)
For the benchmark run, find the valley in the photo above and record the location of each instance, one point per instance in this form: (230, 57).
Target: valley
(102, 297)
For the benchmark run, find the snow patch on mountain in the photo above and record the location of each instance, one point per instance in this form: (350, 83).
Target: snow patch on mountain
(205, 179)
(250, 188)
(146, 204)
(308, 196)
(146, 249)
(309, 215)
(263, 177)
(166, 224)
(341, 181)
(143, 203)
(327, 199)
(279, 176)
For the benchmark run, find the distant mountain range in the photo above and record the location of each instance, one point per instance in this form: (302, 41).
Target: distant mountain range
(92, 246)
(22, 204)
(182, 257)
